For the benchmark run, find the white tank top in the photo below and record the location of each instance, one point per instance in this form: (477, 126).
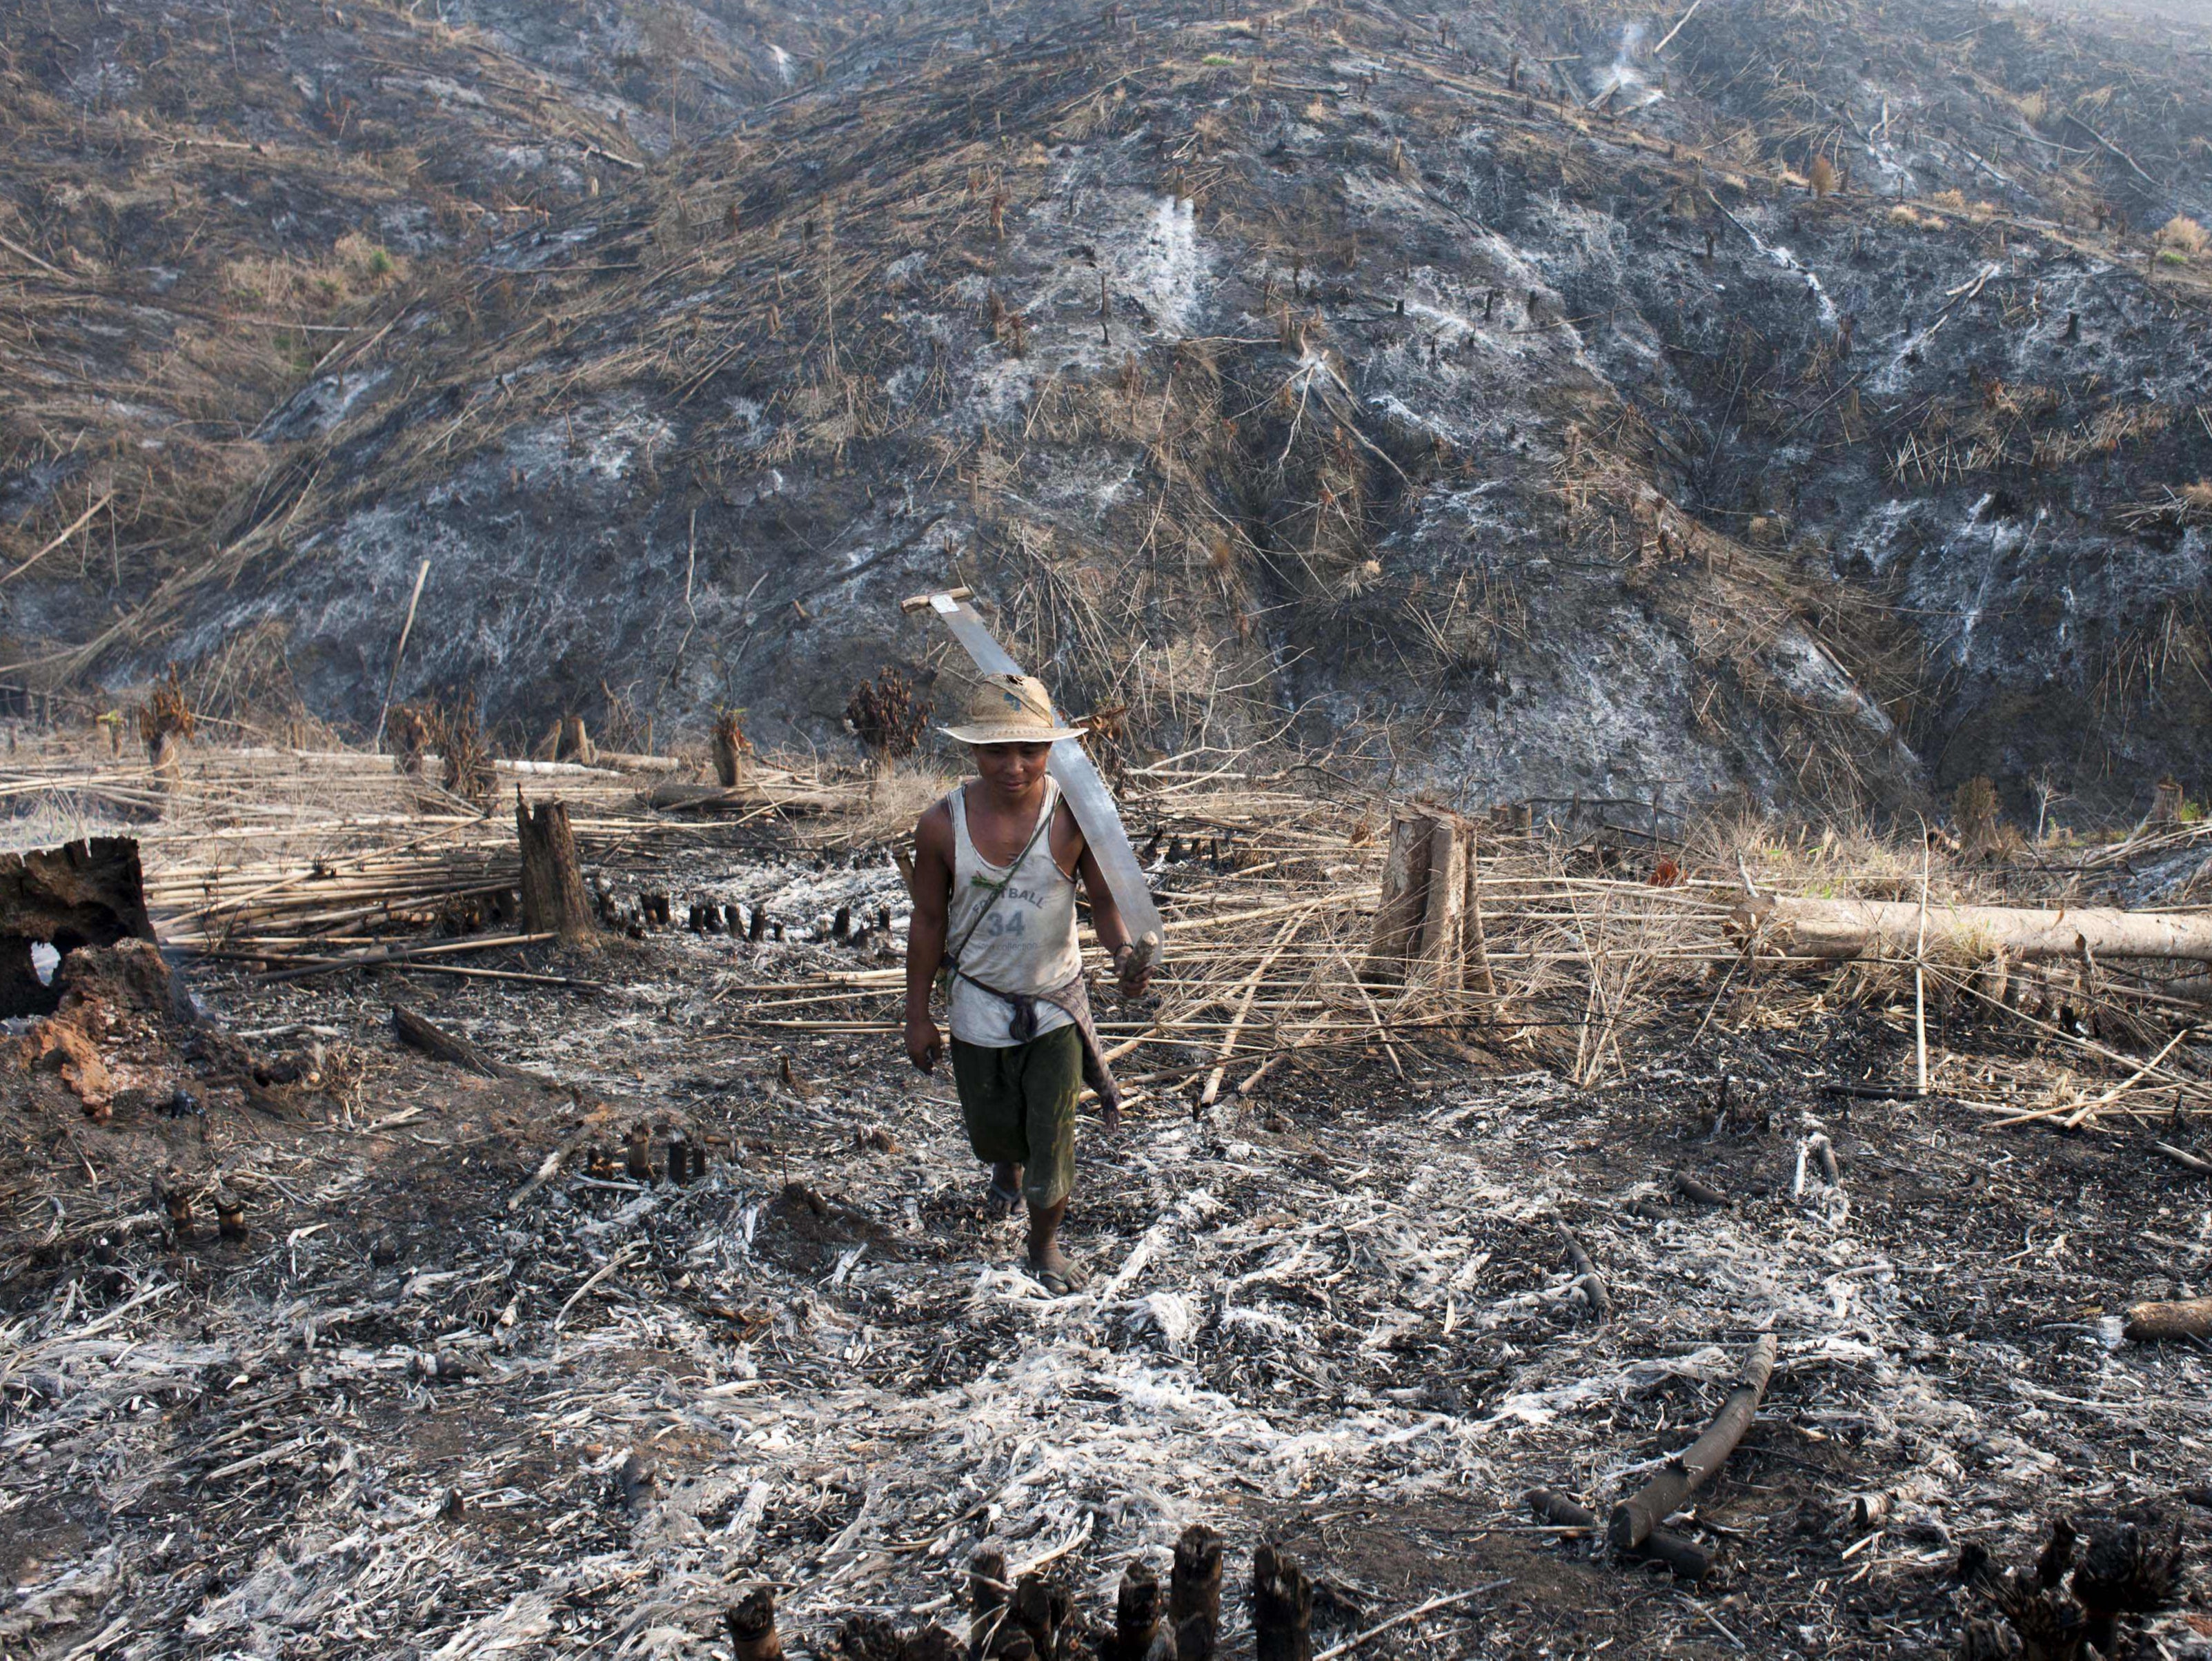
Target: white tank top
(1026, 942)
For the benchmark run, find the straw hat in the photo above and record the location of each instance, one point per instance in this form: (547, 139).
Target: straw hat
(1010, 709)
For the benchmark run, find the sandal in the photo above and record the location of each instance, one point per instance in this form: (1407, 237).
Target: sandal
(999, 1201)
(1059, 1284)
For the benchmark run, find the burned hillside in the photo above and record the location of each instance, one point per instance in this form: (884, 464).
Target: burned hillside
(210, 207)
(1808, 400)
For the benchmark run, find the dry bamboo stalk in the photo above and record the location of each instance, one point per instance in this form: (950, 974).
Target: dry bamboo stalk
(1251, 987)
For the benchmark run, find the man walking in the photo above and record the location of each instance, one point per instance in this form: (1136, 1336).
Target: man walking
(994, 872)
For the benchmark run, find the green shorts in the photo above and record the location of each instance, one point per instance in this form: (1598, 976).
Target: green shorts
(1018, 1104)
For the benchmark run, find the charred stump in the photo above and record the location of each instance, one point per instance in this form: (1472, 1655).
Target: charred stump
(1404, 906)
(84, 893)
(1194, 1593)
(1428, 928)
(987, 1599)
(1282, 1607)
(1138, 1604)
(732, 751)
(751, 1625)
(553, 898)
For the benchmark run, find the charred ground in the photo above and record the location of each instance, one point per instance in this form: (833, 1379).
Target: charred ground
(452, 1393)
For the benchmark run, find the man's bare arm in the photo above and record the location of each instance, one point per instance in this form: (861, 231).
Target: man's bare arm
(1113, 932)
(925, 934)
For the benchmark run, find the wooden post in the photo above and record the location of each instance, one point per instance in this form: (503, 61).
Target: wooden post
(1399, 916)
(1439, 964)
(1194, 1593)
(1282, 1607)
(553, 898)
(752, 1627)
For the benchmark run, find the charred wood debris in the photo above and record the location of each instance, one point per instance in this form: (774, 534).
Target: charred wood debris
(493, 1227)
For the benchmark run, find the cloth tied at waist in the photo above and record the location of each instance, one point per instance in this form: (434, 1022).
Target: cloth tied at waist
(1073, 997)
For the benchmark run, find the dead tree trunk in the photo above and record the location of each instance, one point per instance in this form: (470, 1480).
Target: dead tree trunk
(553, 898)
(574, 743)
(1439, 964)
(1404, 906)
(1282, 1607)
(1637, 1519)
(1194, 1593)
(1852, 929)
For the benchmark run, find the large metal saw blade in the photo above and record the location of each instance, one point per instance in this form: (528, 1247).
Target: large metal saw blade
(1087, 795)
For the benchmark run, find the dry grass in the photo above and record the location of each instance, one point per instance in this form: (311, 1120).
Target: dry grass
(2183, 236)
(897, 797)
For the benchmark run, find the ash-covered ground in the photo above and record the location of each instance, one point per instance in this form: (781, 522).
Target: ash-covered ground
(428, 1408)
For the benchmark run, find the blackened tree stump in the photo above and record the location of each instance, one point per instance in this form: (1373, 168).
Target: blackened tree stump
(1194, 1593)
(553, 898)
(1137, 1606)
(573, 742)
(85, 894)
(1282, 1607)
(752, 1627)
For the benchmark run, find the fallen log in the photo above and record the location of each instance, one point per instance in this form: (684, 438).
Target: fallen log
(1704, 1193)
(2183, 1158)
(2185, 1317)
(1685, 1557)
(1637, 1519)
(1587, 1280)
(1856, 928)
(674, 797)
(411, 1030)
(294, 968)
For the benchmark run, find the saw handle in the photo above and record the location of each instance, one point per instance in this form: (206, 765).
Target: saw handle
(921, 602)
(1144, 955)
